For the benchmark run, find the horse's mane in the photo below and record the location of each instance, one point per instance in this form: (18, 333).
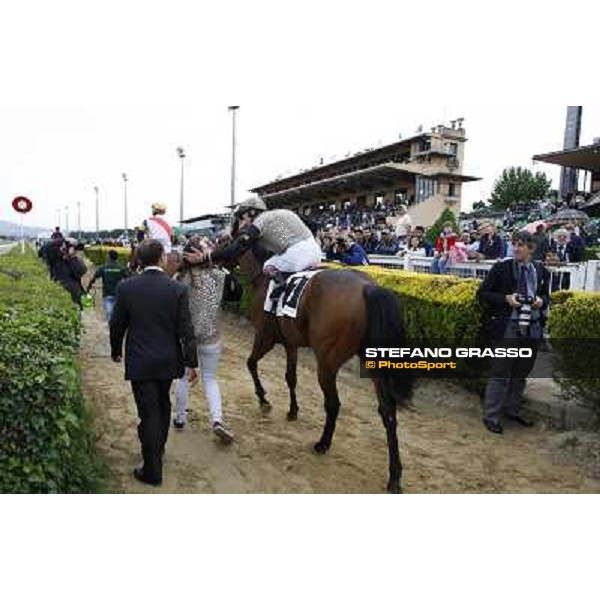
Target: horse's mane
(260, 254)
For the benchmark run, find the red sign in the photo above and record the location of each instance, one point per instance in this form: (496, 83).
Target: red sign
(22, 205)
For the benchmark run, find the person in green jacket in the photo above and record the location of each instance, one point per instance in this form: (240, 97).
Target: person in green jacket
(111, 274)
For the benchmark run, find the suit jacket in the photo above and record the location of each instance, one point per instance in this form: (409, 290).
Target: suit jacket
(499, 283)
(576, 249)
(153, 310)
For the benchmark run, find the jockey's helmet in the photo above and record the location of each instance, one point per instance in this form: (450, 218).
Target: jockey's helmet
(159, 208)
(254, 203)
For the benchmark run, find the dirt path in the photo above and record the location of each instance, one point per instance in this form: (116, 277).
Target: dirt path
(444, 446)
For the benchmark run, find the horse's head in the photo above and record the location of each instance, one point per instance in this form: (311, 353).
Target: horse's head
(250, 262)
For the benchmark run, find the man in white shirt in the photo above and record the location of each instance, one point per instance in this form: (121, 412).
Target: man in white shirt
(403, 224)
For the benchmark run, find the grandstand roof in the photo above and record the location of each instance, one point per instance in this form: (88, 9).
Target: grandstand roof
(358, 161)
(586, 158)
(370, 177)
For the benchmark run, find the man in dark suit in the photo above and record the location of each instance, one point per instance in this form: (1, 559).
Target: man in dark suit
(513, 296)
(153, 311)
(576, 245)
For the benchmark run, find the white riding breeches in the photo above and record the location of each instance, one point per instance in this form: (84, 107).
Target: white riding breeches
(208, 359)
(298, 257)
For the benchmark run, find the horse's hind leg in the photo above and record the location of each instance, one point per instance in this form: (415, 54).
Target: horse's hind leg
(291, 380)
(387, 411)
(327, 381)
(262, 345)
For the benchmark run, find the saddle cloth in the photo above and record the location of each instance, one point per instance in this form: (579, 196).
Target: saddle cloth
(283, 300)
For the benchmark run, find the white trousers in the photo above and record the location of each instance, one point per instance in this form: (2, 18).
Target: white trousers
(298, 257)
(208, 362)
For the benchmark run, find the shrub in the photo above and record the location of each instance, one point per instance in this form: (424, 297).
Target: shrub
(99, 254)
(575, 334)
(434, 307)
(591, 253)
(46, 439)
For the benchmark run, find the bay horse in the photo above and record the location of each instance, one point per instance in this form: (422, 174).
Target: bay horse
(339, 310)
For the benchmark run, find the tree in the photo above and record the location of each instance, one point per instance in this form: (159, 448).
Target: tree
(479, 206)
(519, 186)
(447, 216)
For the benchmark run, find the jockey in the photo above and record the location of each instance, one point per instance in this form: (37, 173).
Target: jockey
(157, 227)
(279, 231)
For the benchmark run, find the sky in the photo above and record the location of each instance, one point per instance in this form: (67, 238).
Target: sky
(91, 90)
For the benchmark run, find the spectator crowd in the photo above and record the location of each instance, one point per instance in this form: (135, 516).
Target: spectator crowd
(478, 240)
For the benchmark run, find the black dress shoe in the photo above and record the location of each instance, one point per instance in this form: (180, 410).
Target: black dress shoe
(493, 426)
(520, 420)
(139, 474)
(178, 425)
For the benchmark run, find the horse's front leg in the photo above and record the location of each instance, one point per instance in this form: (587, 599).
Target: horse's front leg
(291, 380)
(262, 345)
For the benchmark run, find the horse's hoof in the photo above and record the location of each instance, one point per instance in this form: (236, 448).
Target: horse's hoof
(265, 407)
(292, 416)
(394, 487)
(320, 448)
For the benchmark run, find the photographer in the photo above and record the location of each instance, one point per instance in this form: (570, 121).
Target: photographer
(348, 252)
(513, 296)
(69, 269)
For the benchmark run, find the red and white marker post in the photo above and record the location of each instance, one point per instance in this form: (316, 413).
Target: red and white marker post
(22, 205)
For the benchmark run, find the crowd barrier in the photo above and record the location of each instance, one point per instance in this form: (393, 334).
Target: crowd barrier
(582, 277)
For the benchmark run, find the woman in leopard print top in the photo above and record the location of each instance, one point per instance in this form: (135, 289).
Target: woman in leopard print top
(205, 285)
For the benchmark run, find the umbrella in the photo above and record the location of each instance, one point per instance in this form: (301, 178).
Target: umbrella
(532, 227)
(567, 215)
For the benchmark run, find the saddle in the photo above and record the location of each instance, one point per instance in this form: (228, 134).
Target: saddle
(283, 298)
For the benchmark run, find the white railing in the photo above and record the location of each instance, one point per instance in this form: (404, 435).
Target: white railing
(6, 247)
(575, 277)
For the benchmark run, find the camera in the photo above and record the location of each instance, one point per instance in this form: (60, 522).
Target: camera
(526, 303)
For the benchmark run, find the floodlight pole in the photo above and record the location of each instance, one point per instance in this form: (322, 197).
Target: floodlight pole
(97, 214)
(181, 154)
(78, 219)
(233, 110)
(124, 176)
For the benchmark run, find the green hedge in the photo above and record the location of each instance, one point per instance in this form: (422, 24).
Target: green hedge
(434, 307)
(574, 327)
(591, 253)
(46, 439)
(99, 254)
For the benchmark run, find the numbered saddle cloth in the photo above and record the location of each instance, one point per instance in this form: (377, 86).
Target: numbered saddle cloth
(283, 300)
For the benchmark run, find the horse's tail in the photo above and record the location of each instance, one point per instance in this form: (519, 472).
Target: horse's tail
(385, 328)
